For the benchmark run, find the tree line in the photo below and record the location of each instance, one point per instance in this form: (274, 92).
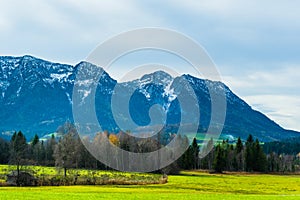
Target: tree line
(69, 152)
(248, 156)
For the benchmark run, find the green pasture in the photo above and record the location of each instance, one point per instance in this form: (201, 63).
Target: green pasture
(202, 137)
(188, 185)
(102, 177)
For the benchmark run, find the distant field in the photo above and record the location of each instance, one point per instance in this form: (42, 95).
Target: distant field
(189, 185)
(201, 138)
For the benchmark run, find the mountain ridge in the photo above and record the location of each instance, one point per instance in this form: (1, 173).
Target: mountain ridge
(41, 89)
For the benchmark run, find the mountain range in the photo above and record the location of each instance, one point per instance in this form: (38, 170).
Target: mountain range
(36, 97)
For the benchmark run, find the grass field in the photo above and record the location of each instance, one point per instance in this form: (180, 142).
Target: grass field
(100, 177)
(189, 185)
(201, 138)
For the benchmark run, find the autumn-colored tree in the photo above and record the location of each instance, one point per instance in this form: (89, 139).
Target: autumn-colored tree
(113, 138)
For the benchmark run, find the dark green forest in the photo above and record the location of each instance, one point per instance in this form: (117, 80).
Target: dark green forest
(69, 152)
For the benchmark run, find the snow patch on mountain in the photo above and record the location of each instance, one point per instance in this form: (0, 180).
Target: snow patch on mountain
(169, 92)
(60, 77)
(69, 98)
(84, 94)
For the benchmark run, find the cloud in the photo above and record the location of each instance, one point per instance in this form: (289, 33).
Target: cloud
(234, 11)
(275, 93)
(67, 13)
(4, 25)
(69, 30)
(237, 32)
(285, 76)
(285, 110)
(66, 31)
(281, 79)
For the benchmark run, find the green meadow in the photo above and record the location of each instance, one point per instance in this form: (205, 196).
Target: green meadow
(188, 185)
(100, 177)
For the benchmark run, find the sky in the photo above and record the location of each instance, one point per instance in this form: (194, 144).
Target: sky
(255, 45)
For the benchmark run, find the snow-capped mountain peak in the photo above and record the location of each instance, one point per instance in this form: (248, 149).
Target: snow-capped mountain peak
(34, 91)
(158, 77)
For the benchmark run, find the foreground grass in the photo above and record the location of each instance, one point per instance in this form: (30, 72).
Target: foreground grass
(189, 185)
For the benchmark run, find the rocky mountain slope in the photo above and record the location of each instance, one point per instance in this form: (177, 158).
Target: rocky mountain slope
(36, 97)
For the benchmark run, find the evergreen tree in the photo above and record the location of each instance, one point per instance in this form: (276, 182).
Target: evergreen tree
(195, 154)
(4, 151)
(35, 140)
(208, 160)
(35, 149)
(260, 160)
(239, 145)
(190, 158)
(249, 154)
(219, 161)
(239, 156)
(184, 160)
(231, 160)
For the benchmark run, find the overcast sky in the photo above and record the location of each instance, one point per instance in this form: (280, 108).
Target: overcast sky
(254, 44)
